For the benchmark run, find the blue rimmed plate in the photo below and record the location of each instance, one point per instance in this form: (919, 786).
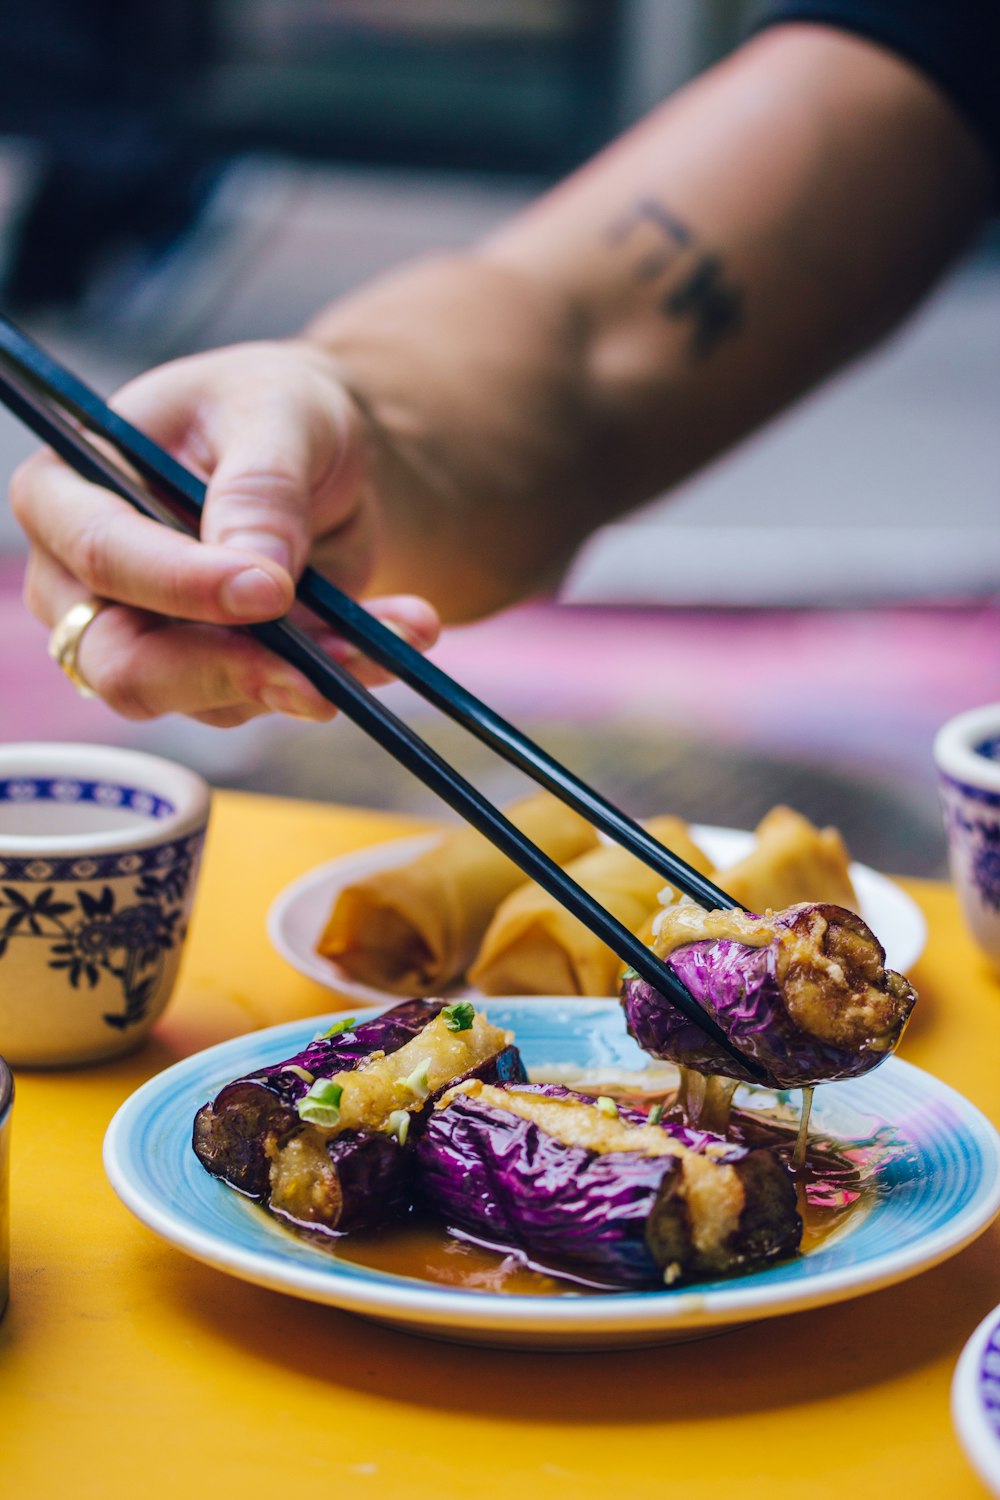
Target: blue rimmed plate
(939, 1186)
(975, 1400)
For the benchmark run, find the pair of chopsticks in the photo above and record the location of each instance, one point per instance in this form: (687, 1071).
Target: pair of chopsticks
(55, 405)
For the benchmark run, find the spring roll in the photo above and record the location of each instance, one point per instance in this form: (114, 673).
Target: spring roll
(411, 931)
(534, 946)
(791, 861)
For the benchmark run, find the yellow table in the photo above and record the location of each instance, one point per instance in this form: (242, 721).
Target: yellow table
(127, 1369)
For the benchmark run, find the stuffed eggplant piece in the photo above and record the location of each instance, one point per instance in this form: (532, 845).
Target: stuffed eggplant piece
(602, 1194)
(804, 991)
(325, 1139)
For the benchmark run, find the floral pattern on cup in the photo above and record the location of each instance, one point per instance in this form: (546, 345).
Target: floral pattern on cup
(989, 1380)
(97, 931)
(974, 829)
(99, 854)
(965, 752)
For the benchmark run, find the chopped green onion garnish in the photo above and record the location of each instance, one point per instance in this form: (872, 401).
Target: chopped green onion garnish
(321, 1105)
(607, 1106)
(459, 1016)
(655, 1115)
(417, 1081)
(399, 1125)
(337, 1028)
(630, 974)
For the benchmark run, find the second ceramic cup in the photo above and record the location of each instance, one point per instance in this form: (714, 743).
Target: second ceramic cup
(99, 852)
(967, 753)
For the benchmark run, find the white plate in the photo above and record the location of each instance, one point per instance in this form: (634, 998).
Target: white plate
(299, 914)
(975, 1400)
(938, 1187)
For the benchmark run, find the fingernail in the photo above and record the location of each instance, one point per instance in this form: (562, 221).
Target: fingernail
(264, 543)
(397, 629)
(281, 698)
(252, 592)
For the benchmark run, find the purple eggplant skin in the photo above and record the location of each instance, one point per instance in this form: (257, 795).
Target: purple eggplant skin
(231, 1133)
(253, 1138)
(367, 1176)
(744, 989)
(617, 1220)
(362, 1179)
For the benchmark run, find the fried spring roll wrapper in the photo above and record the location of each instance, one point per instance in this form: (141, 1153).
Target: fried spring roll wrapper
(413, 930)
(792, 860)
(534, 946)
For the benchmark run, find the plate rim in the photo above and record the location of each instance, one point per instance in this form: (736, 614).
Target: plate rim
(387, 852)
(422, 1304)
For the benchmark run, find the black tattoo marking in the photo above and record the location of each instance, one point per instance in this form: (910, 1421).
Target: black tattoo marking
(715, 304)
(649, 211)
(698, 290)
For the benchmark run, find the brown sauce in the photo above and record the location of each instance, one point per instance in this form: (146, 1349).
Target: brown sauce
(836, 1186)
(425, 1251)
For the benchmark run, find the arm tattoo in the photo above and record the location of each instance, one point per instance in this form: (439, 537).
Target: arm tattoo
(691, 284)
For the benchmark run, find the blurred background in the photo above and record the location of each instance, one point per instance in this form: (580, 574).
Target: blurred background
(791, 625)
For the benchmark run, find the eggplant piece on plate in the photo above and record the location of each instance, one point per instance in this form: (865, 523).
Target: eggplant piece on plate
(600, 1193)
(804, 991)
(325, 1139)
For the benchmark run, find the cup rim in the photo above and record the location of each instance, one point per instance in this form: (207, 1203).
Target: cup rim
(6, 1090)
(189, 793)
(954, 747)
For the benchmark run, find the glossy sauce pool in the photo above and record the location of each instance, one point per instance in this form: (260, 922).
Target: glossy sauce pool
(837, 1185)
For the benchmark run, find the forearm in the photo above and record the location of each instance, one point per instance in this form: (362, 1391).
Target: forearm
(763, 226)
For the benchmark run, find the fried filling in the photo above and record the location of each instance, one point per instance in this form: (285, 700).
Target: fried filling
(404, 1079)
(676, 926)
(831, 972)
(836, 986)
(303, 1181)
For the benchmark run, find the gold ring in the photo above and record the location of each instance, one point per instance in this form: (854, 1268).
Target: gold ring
(64, 642)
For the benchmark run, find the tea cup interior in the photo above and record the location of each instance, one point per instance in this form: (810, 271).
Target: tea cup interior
(91, 798)
(69, 808)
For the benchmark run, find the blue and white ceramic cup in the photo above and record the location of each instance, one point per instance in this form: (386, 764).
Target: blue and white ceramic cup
(967, 753)
(99, 853)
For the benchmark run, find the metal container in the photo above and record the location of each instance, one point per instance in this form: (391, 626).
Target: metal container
(6, 1110)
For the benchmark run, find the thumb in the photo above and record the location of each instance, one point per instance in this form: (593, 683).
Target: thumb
(260, 492)
(275, 435)
(289, 464)
(258, 502)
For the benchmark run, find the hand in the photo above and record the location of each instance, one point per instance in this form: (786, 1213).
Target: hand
(284, 451)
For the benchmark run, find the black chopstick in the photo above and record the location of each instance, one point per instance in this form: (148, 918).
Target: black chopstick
(187, 494)
(37, 411)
